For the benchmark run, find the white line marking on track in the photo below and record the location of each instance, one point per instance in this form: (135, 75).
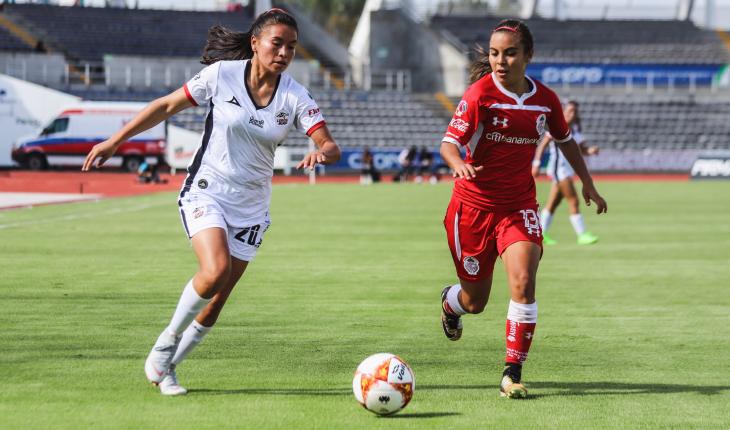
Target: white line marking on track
(75, 216)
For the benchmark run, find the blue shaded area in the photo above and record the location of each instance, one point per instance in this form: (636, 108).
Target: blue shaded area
(658, 74)
(383, 159)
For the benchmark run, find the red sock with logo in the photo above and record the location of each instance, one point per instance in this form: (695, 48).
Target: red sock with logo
(520, 329)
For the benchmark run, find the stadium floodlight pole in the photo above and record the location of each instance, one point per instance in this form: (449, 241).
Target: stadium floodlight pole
(557, 9)
(528, 9)
(684, 10)
(709, 14)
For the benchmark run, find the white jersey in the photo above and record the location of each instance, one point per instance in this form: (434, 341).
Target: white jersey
(235, 160)
(558, 167)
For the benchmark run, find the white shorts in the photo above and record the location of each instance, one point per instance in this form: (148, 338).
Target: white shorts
(559, 169)
(199, 211)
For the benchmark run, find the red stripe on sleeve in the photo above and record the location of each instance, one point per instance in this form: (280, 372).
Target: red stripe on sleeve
(188, 95)
(315, 127)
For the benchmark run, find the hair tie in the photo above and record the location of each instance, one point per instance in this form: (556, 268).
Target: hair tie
(513, 30)
(275, 10)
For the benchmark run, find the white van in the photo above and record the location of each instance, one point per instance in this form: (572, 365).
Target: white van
(72, 134)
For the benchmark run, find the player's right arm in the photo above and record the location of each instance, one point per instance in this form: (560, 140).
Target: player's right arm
(154, 113)
(461, 129)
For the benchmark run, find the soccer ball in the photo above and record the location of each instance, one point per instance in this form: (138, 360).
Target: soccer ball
(383, 383)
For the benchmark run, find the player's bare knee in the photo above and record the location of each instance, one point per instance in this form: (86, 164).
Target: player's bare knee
(213, 276)
(522, 282)
(474, 305)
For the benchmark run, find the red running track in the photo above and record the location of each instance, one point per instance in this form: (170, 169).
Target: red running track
(113, 184)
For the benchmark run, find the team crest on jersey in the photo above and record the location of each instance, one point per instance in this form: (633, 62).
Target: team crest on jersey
(461, 108)
(540, 125)
(471, 265)
(202, 184)
(282, 117)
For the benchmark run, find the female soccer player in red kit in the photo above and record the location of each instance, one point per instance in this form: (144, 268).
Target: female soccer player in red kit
(493, 210)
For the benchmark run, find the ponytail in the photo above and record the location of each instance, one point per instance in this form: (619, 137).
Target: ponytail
(481, 67)
(226, 44)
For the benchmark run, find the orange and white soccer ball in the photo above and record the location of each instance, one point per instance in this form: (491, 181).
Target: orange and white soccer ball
(383, 383)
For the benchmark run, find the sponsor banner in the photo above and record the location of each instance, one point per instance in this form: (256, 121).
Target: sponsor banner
(711, 167)
(643, 160)
(384, 159)
(640, 74)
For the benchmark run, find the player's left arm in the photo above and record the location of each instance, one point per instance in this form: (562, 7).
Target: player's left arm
(563, 138)
(588, 150)
(327, 150)
(573, 154)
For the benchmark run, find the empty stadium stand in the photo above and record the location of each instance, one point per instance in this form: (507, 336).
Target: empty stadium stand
(656, 121)
(586, 41)
(87, 33)
(8, 42)
(383, 119)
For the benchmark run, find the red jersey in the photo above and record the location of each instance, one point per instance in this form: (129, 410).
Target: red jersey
(501, 131)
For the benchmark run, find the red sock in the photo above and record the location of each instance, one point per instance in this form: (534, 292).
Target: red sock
(519, 338)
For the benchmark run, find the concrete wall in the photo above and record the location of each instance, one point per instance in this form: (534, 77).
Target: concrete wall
(398, 42)
(123, 71)
(46, 69)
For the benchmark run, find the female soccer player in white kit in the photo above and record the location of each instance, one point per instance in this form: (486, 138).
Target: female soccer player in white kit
(224, 202)
(562, 174)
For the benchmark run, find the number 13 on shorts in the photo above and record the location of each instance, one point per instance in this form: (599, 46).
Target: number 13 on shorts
(532, 221)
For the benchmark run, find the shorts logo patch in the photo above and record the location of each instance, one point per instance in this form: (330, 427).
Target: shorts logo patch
(471, 265)
(202, 184)
(198, 212)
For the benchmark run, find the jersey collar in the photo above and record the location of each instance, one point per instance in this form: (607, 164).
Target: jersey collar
(246, 73)
(519, 99)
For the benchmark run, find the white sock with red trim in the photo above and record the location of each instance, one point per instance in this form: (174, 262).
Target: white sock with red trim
(453, 305)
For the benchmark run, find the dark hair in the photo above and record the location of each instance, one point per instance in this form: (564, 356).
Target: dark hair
(480, 66)
(576, 117)
(226, 44)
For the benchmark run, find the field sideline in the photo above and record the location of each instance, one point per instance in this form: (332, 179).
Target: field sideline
(631, 331)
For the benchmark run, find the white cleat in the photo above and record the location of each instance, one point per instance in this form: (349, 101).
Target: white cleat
(169, 385)
(158, 361)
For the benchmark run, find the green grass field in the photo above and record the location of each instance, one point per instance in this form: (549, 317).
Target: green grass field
(632, 331)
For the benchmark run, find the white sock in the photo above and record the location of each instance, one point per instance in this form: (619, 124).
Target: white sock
(545, 219)
(522, 313)
(578, 225)
(188, 307)
(452, 298)
(192, 336)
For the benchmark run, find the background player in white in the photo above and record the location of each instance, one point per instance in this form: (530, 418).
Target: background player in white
(562, 174)
(224, 201)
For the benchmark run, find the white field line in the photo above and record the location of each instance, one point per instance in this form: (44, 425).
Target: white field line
(80, 215)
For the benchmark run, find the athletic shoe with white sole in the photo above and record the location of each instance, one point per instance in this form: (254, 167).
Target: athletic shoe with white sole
(158, 361)
(449, 322)
(169, 385)
(511, 386)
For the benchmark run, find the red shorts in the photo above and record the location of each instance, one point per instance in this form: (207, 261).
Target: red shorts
(477, 237)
